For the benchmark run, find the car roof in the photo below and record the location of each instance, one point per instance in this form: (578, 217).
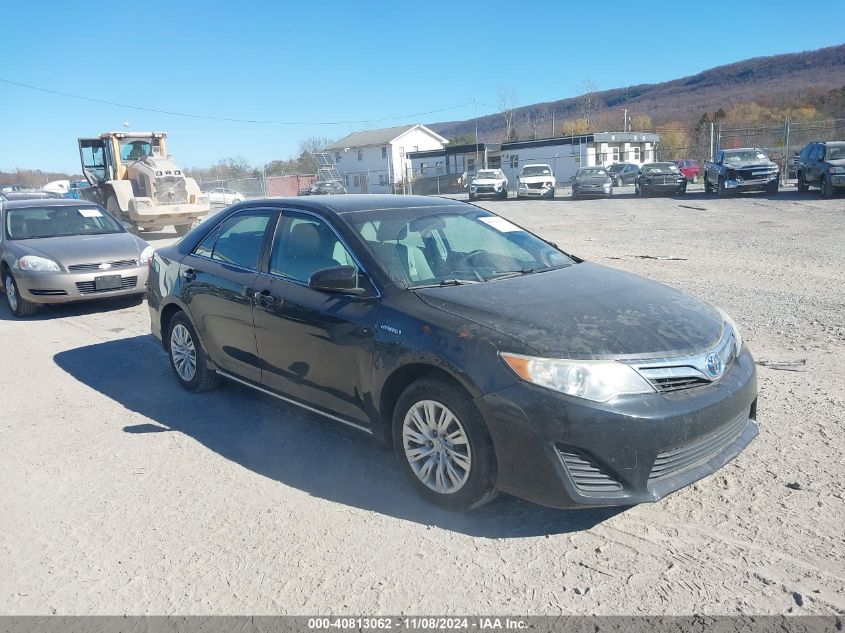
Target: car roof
(47, 202)
(359, 202)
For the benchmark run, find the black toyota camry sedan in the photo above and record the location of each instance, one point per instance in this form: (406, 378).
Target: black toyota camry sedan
(488, 358)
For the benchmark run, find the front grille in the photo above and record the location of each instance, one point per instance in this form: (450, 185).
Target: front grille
(586, 474)
(171, 190)
(676, 383)
(88, 287)
(121, 263)
(699, 450)
(675, 374)
(535, 185)
(47, 293)
(484, 189)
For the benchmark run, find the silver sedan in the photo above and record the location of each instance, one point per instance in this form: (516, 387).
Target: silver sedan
(57, 251)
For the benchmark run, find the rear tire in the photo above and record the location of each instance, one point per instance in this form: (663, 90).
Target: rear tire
(19, 306)
(188, 358)
(453, 452)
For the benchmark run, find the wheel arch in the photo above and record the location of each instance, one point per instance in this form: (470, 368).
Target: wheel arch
(403, 376)
(167, 313)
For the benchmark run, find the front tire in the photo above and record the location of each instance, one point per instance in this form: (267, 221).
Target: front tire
(802, 184)
(722, 191)
(825, 188)
(19, 306)
(443, 445)
(188, 358)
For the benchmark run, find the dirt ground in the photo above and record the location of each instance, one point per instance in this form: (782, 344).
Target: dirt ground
(122, 494)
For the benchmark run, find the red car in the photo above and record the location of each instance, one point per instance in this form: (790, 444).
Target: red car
(689, 168)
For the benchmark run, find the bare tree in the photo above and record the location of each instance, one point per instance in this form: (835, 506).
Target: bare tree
(314, 144)
(537, 120)
(507, 106)
(587, 104)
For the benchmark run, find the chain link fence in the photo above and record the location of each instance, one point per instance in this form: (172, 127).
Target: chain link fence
(781, 142)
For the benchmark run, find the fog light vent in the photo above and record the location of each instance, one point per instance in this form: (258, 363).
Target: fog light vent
(586, 473)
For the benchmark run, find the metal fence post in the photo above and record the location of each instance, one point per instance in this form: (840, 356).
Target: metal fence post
(785, 172)
(711, 140)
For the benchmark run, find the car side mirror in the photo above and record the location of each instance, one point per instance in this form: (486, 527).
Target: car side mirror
(338, 279)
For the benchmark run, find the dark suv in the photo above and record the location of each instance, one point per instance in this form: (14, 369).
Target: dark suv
(822, 165)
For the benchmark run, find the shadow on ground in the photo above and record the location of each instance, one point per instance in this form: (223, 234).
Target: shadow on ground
(289, 445)
(78, 308)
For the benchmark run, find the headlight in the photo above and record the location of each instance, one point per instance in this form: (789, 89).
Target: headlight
(146, 255)
(737, 336)
(38, 264)
(837, 170)
(597, 380)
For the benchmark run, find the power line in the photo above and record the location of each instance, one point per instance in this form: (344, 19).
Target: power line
(226, 119)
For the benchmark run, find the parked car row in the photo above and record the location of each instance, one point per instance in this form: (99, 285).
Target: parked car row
(819, 164)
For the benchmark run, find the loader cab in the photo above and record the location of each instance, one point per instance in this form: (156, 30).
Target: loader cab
(98, 164)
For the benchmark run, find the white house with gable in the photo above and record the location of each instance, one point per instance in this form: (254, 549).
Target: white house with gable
(373, 161)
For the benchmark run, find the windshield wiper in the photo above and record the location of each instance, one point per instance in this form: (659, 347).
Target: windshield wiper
(446, 282)
(514, 273)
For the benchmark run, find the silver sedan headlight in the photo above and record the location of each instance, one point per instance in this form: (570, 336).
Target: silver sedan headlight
(596, 380)
(38, 264)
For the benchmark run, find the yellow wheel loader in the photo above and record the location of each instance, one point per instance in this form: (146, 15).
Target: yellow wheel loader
(134, 178)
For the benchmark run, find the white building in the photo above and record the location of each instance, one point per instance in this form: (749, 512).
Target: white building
(372, 161)
(440, 170)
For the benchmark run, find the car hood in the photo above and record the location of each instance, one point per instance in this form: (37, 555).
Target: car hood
(586, 311)
(751, 164)
(536, 178)
(487, 181)
(838, 162)
(84, 249)
(593, 180)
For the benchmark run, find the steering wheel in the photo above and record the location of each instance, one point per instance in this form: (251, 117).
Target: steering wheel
(469, 256)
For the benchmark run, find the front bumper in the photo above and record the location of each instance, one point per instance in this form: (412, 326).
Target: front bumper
(837, 180)
(480, 192)
(592, 190)
(165, 214)
(567, 452)
(674, 187)
(756, 184)
(530, 192)
(64, 287)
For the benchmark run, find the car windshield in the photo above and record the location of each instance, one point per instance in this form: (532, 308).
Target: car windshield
(591, 173)
(744, 156)
(615, 168)
(58, 221)
(487, 173)
(660, 168)
(835, 152)
(536, 170)
(417, 248)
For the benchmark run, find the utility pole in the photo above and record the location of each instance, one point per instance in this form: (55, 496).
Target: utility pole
(711, 139)
(625, 120)
(475, 116)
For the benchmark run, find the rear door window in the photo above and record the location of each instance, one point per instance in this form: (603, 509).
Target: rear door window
(237, 240)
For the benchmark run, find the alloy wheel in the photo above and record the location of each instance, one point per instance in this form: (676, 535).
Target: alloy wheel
(11, 295)
(436, 446)
(183, 352)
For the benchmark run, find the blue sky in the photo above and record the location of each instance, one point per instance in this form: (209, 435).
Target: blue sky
(287, 61)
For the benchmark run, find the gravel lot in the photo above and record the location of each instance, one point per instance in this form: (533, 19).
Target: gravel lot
(122, 494)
